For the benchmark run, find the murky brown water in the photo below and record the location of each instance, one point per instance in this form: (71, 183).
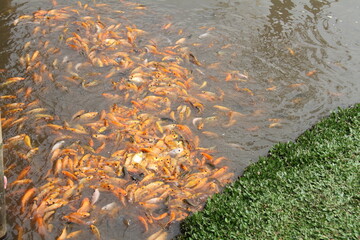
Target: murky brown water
(301, 59)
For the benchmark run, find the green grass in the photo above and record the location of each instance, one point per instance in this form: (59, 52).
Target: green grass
(308, 189)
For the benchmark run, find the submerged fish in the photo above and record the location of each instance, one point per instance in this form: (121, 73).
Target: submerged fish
(5, 182)
(127, 150)
(95, 196)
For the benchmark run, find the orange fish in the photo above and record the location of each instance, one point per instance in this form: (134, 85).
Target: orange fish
(96, 232)
(26, 197)
(144, 222)
(310, 73)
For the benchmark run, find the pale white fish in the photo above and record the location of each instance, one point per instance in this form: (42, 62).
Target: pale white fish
(109, 206)
(204, 35)
(136, 79)
(137, 158)
(201, 72)
(5, 182)
(95, 197)
(175, 152)
(242, 75)
(57, 145)
(195, 120)
(77, 66)
(65, 59)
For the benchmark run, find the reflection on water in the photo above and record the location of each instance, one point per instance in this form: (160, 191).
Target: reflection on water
(282, 64)
(5, 11)
(279, 18)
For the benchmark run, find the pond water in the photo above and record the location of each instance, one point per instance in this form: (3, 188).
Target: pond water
(263, 72)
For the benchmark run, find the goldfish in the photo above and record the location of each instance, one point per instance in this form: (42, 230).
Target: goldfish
(26, 197)
(310, 73)
(144, 222)
(95, 231)
(11, 81)
(140, 145)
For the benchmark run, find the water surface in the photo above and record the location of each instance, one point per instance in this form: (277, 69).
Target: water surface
(282, 64)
